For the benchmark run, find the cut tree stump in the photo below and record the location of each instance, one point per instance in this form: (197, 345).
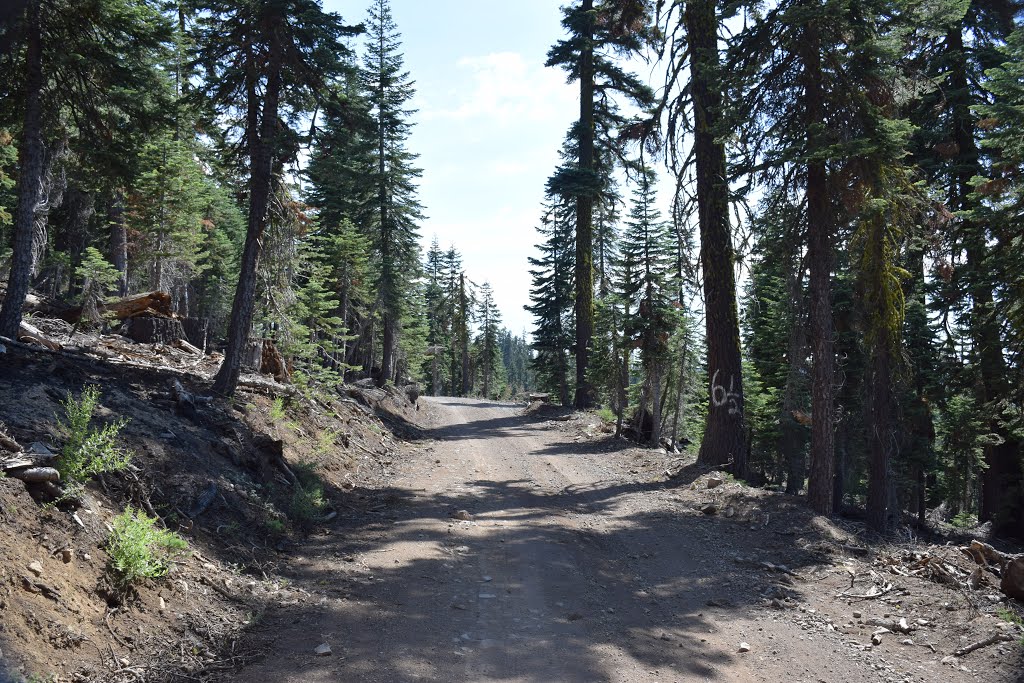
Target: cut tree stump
(153, 330)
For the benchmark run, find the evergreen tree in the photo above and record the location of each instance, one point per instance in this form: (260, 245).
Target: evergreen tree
(551, 295)
(393, 177)
(597, 32)
(695, 105)
(646, 261)
(264, 64)
(489, 359)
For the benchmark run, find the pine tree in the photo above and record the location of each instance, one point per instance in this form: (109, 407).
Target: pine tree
(597, 31)
(264, 63)
(397, 212)
(551, 295)
(489, 353)
(693, 41)
(646, 262)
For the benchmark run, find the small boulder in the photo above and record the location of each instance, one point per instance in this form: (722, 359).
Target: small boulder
(714, 482)
(323, 650)
(1012, 583)
(744, 647)
(709, 509)
(36, 568)
(463, 515)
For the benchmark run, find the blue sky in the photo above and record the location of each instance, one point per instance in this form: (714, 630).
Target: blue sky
(490, 121)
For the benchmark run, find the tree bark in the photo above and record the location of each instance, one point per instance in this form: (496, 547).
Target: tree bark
(725, 437)
(30, 178)
(820, 486)
(585, 221)
(260, 177)
(119, 240)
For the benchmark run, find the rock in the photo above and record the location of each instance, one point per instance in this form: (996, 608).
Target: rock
(163, 604)
(744, 647)
(876, 639)
(86, 557)
(40, 448)
(709, 509)
(908, 641)
(36, 568)
(1012, 583)
(323, 650)
(857, 614)
(66, 555)
(463, 515)
(730, 511)
(950, 660)
(715, 482)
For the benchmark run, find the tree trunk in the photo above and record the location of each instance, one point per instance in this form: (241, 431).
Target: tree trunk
(30, 163)
(791, 441)
(585, 221)
(261, 165)
(820, 487)
(119, 240)
(725, 438)
(881, 440)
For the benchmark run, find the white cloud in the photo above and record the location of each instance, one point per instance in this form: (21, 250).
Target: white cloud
(504, 88)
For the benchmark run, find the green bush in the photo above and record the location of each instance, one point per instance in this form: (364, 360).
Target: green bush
(88, 451)
(277, 411)
(307, 503)
(138, 550)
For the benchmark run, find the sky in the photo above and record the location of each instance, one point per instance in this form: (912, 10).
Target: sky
(489, 123)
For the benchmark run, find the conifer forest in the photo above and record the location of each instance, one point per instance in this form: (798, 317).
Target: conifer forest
(786, 238)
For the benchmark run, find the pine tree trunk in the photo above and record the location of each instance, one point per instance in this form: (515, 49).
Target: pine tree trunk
(585, 223)
(881, 439)
(655, 404)
(725, 437)
(791, 436)
(30, 162)
(820, 486)
(119, 240)
(260, 181)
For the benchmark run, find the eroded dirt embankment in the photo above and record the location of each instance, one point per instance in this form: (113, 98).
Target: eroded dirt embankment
(225, 475)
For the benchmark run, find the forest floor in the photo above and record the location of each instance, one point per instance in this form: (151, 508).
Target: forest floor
(515, 545)
(453, 540)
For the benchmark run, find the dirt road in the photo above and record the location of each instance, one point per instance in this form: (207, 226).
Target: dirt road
(566, 569)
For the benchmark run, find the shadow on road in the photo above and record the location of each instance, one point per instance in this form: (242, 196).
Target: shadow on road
(643, 587)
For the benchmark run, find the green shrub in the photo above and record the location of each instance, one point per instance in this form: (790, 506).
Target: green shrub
(606, 414)
(138, 550)
(307, 501)
(88, 451)
(964, 520)
(277, 411)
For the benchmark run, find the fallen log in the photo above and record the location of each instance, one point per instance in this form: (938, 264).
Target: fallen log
(30, 334)
(35, 474)
(9, 444)
(185, 346)
(157, 304)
